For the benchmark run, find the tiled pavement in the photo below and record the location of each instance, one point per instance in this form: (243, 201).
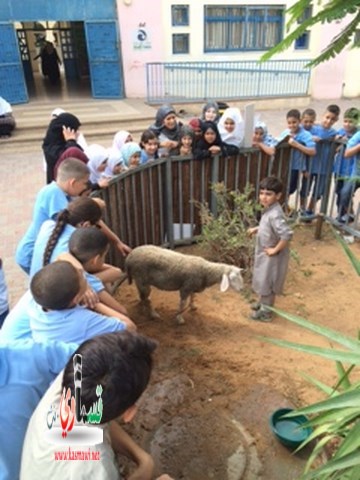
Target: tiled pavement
(21, 176)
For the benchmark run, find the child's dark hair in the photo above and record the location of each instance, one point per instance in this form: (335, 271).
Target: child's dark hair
(273, 184)
(186, 131)
(86, 243)
(335, 109)
(80, 210)
(121, 363)
(56, 285)
(353, 114)
(293, 113)
(146, 136)
(310, 112)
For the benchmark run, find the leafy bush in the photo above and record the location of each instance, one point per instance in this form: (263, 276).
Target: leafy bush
(224, 234)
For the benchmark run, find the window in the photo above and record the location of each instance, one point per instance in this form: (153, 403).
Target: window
(242, 28)
(180, 42)
(180, 15)
(302, 43)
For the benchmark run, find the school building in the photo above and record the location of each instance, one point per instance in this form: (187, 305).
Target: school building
(163, 50)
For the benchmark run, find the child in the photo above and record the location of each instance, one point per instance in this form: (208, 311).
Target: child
(352, 153)
(4, 304)
(90, 246)
(186, 141)
(115, 162)
(343, 166)
(272, 249)
(120, 364)
(27, 370)
(209, 143)
(72, 180)
(53, 240)
(308, 118)
(319, 165)
(98, 157)
(149, 147)
(210, 112)
(167, 130)
(302, 145)
(130, 154)
(195, 125)
(231, 129)
(262, 140)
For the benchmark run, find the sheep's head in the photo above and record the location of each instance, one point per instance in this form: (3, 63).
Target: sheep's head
(233, 279)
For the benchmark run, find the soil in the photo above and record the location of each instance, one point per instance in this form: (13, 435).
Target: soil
(216, 381)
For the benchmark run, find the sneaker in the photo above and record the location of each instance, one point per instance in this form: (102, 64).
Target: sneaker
(261, 316)
(255, 306)
(347, 218)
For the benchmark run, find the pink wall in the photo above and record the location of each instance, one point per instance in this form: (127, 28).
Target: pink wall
(137, 18)
(328, 77)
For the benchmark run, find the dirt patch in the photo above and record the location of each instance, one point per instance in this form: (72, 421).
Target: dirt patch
(205, 415)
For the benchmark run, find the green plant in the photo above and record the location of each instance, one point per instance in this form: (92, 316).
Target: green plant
(224, 234)
(336, 419)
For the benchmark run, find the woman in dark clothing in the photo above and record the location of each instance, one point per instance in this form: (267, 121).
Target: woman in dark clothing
(61, 134)
(209, 143)
(50, 62)
(167, 129)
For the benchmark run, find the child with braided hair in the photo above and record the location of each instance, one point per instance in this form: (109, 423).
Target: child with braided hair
(53, 239)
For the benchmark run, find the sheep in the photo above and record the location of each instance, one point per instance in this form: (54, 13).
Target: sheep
(165, 269)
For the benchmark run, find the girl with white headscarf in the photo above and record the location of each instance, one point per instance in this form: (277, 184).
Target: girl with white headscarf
(115, 159)
(231, 129)
(130, 153)
(98, 156)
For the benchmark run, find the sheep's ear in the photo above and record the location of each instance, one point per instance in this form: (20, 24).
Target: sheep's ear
(224, 283)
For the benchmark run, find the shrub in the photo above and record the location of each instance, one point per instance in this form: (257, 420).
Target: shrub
(224, 233)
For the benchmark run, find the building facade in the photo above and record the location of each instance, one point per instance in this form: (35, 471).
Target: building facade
(167, 50)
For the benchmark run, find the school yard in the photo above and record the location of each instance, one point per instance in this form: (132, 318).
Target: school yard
(205, 415)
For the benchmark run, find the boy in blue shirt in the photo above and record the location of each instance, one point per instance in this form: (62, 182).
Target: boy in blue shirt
(343, 166)
(71, 181)
(319, 164)
(26, 371)
(302, 145)
(352, 153)
(308, 118)
(51, 310)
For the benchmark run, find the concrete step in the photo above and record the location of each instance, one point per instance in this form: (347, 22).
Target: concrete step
(100, 120)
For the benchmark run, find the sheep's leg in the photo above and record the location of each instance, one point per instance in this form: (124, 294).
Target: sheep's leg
(144, 293)
(182, 307)
(192, 304)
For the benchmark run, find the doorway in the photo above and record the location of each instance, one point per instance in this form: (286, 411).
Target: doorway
(62, 74)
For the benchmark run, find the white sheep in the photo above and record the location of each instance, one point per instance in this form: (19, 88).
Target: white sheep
(165, 269)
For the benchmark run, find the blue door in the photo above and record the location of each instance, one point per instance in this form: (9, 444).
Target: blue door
(12, 82)
(104, 59)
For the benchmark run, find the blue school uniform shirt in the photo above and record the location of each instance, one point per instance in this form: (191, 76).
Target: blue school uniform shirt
(49, 202)
(319, 162)
(17, 323)
(144, 157)
(26, 371)
(343, 166)
(353, 141)
(62, 246)
(298, 159)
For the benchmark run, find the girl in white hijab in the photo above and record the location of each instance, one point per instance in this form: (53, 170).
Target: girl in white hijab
(98, 157)
(231, 129)
(120, 138)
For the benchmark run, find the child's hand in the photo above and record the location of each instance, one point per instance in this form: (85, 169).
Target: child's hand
(89, 299)
(252, 231)
(316, 139)
(270, 251)
(104, 182)
(123, 248)
(68, 133)
(214, 149)
(292, 141)
(169, 144)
